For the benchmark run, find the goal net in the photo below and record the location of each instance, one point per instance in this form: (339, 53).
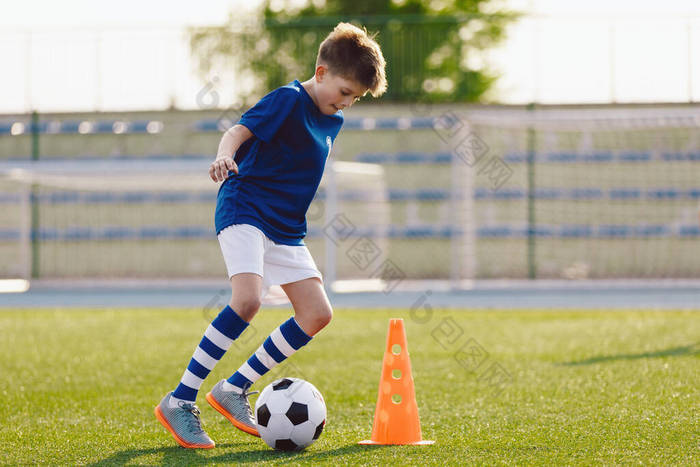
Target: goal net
(153, 219)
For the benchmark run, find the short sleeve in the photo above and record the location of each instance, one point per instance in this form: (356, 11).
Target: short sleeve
(266, 117)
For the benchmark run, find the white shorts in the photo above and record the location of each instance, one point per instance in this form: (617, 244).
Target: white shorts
(247, 249)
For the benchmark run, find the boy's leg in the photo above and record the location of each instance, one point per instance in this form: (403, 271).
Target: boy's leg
(312, 313)
(226, 327)
(312, 309)
(178, 412)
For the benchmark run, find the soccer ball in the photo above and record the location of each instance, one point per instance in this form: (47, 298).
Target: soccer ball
(290, 413)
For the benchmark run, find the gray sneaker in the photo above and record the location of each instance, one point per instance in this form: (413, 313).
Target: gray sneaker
(184, 424)
(235, 407)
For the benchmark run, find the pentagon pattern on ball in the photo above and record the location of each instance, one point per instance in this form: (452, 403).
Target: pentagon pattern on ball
(284, 384)
(263, 415)
(319, 429)
(297, 413)
(286, 445)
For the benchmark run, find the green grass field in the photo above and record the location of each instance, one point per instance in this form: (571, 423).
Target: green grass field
(573, 387)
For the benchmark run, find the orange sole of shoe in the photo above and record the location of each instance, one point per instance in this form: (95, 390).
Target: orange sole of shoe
(180, 441)
(214, 403)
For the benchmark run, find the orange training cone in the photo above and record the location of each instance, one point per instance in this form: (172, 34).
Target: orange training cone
(396, 417)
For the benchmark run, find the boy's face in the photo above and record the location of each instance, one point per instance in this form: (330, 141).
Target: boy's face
(333, 92)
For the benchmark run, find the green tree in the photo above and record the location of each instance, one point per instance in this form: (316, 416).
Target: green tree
(433, 48)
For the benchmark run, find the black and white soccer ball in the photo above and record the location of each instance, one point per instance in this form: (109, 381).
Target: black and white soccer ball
(290, 413)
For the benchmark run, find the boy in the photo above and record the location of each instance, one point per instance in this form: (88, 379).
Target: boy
(271, 164)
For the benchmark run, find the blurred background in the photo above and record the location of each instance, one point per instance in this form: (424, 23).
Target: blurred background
(525, 141)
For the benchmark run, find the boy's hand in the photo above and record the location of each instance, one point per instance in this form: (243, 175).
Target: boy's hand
(218, 170)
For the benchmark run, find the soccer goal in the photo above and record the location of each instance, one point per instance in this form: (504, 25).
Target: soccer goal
(153, 219)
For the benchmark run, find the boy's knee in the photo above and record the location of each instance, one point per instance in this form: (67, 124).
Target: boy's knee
(324, 317)
(246, 307)
(312, 320)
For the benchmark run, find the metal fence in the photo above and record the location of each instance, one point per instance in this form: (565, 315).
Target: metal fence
(137, 68)
(451, 193)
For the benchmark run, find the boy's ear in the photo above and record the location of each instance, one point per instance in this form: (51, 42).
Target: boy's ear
(321, 72)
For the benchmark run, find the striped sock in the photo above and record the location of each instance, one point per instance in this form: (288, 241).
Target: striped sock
(282, 343)
(218, 337)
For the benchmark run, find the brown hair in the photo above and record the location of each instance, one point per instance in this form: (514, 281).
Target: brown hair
(350, 52)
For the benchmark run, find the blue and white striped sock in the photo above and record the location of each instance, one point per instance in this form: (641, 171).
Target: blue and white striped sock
(281, 344)
(218, 337)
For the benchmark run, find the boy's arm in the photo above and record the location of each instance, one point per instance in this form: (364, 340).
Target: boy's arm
(230, 142)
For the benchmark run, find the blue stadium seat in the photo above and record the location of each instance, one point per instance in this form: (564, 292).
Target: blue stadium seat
(104, 126)
(6, 128)
(138, 126)
(502, 194)
(652, 231)
(153, 232)
(422, 122)
(9, 234)
(576, 231)
(676, 156)
(207, 125)
(373, 158)
(635, 157)
(77, 233)
(614, 230)
(134, 197)
(99, 197)
(60, 197)
(442, 158)
(192, 231)
(689, 231)
(541, 231)
(117, 233)
(548, 193)
(432, 194)
(625, 193)
(46, 234)
(668, 193)
(495, 232)
(40, 127)
(386, 123)
(561, 157)
(400, 195)
(352, 124)
(405, 158)
(585, 193)
(10, 198)
(597, 157)
(69, 126)
(515, 158)
(410, 157)
(172, 197)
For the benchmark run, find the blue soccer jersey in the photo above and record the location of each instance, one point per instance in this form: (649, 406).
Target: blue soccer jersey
(280, 167)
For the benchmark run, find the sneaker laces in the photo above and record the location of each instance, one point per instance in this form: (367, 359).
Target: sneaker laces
(194, 423)
(244, 395)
